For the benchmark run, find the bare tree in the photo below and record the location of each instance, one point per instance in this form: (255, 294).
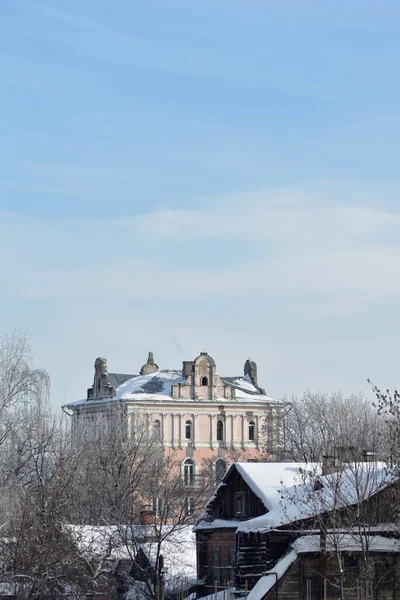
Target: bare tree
(320, 424)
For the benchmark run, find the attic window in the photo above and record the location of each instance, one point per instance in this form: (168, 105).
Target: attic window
(204, 381)
(241, 508)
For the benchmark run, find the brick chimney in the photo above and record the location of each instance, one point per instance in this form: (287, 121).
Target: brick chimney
(147, 515)
(329, 464)
(187, 368)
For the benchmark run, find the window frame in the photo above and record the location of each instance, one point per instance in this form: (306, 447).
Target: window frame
(220, 430)
(189, 472)
(241, 504)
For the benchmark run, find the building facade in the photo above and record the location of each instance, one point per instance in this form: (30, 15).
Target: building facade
(197, 414)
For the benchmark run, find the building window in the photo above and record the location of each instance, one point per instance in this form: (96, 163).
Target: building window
(252, 431)
(220, 431)
(188, 506)
(220, 470)
(157, 506)
(188, 430)
(204, 381)
(188, 472)
(216, 559)
(157, 429)
(241, 508)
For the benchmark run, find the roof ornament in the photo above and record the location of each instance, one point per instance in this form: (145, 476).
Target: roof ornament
(150, 366)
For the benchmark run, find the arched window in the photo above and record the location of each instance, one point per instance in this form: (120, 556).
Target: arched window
(220, 431)
(188, 430)
(220, 470)
(252, 431)
(157, 429)
(204, 381)
(188, 472)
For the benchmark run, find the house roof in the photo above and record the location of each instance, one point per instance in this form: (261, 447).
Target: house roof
(114, 542)
(157, 387)
(354, 483)
(266, 480)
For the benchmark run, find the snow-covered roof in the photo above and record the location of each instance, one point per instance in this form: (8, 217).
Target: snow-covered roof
(113, 542)
(267, 480)
(296, 501)
(157, 387)
(217, 524)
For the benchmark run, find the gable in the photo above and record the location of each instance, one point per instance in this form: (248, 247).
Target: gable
(224, 505)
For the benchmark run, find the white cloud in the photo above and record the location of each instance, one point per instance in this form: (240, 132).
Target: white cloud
(299, 245)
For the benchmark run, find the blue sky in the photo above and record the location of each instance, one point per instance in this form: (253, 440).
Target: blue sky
(187, 175)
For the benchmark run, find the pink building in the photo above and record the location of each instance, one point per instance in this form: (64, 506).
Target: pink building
(197, 414)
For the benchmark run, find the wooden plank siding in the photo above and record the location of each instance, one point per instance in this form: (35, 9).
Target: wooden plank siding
(224, 504)
(257, 553)
(211, 544)
(304, 580)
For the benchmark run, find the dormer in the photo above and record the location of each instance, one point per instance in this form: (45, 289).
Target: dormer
(204, 374)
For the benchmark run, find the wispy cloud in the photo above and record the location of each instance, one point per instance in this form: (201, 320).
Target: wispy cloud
(296, 244)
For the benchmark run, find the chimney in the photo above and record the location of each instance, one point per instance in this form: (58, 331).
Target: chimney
(147, 515)
(369, 457)
(250, 369)
(101, 387)
(329, 464)
(187, 368)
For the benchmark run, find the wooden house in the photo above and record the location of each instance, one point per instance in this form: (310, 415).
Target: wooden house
(261, 511)
(308, 573)
(248, 491)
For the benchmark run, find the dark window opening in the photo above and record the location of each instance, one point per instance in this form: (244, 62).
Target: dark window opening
(220, 431)
(252, 431)
(241, 504)
(204, 381)
(350, 561)
(188, 430)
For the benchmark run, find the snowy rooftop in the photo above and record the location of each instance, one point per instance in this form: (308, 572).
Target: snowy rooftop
(298, 500)
(178, 546)
(157, 387)
(267, 480)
